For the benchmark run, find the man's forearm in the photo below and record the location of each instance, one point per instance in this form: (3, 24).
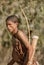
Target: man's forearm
(24, 39)
(30, 52)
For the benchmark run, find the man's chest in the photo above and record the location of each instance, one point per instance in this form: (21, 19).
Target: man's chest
(19, 48)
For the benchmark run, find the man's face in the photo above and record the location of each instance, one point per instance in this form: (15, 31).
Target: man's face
(12, 27)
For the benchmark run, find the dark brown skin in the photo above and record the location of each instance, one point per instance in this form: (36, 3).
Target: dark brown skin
(13, 28)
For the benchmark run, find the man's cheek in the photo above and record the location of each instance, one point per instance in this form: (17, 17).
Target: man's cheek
(10, 29)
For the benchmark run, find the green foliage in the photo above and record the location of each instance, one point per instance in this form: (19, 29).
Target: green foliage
(6, 38)
(34, 10)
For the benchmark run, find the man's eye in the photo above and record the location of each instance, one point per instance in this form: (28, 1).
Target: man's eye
(9, 24)
(14, 21)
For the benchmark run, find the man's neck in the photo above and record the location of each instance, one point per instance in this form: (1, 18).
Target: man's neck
(17, 34)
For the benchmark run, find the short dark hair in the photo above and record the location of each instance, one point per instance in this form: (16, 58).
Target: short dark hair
(13, 18)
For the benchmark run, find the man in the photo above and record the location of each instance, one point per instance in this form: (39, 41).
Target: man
(21, 47)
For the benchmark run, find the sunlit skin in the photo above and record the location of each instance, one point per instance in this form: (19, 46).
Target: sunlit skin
(13, 28)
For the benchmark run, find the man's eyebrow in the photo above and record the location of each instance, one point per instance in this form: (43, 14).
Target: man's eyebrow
(9, 23)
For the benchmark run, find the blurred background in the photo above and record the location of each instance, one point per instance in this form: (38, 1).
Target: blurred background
(34, 11)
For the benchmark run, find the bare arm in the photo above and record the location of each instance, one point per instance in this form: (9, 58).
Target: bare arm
(21, 36)
(24, 39)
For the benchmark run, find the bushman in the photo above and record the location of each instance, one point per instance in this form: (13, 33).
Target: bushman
(21, 47)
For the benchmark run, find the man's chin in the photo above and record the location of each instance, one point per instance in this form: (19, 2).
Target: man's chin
(13, 32)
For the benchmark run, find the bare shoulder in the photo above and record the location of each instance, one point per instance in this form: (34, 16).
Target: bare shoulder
(22, 34)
